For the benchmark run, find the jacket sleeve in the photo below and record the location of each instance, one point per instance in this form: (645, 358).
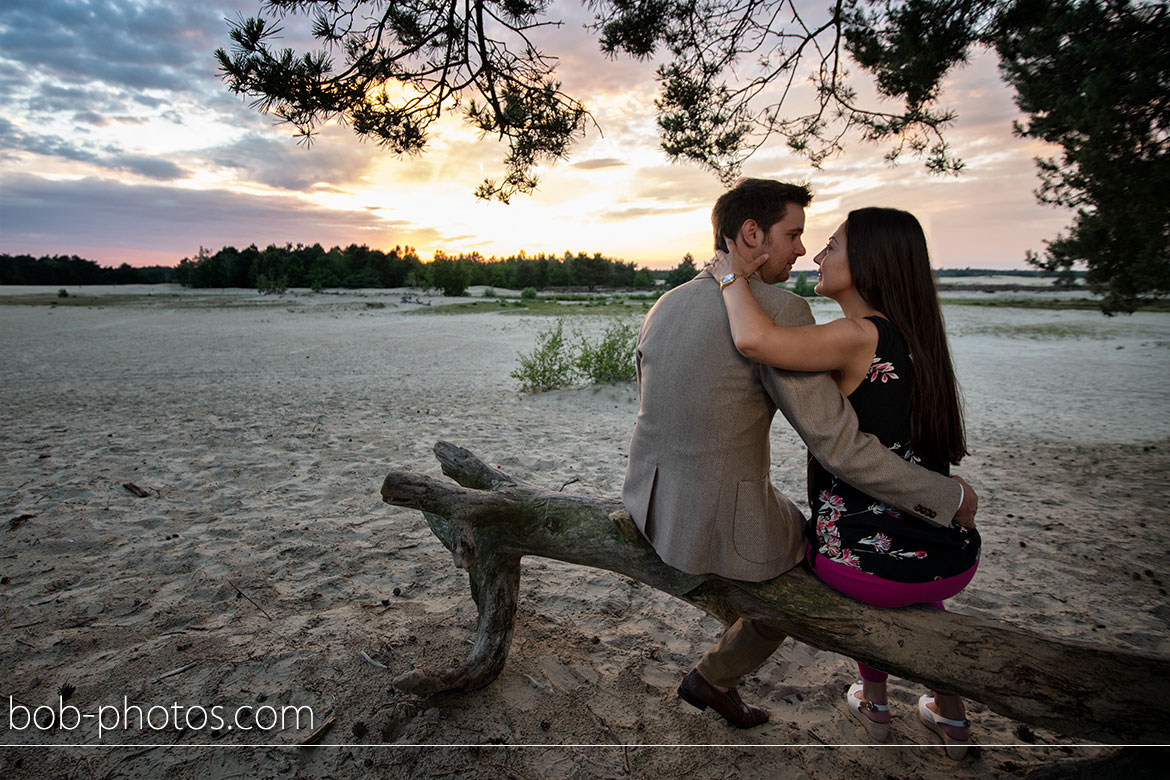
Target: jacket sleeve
(825, 420)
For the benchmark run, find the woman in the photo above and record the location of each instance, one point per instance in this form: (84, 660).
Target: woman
(889, 356)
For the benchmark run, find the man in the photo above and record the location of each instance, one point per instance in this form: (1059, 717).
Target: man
(698, 482)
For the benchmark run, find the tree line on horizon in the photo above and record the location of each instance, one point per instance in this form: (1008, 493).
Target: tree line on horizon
(277, 268)
(73, 270)
(359, 266)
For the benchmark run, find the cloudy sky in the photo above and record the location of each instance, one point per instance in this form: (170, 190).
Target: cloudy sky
(120, 143)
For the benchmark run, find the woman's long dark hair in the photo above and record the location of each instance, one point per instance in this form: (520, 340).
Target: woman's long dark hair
(890, 266)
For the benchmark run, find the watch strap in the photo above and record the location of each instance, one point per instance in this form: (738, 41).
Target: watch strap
(729, 279)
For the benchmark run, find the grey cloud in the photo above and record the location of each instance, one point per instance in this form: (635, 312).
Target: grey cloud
(676, 184)
(48, 145)
(638, 212)
(55, 98)
(90, 118)
(150, 167)
(337, 158)
(154, 217)
(11, 138)
(599, 163)
(146, 100)
(153, 45)
(102, 120)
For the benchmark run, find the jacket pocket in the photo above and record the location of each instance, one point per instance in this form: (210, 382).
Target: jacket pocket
(757, 517)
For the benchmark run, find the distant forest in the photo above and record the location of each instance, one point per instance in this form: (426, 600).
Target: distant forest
(277, 268)
(280, 267)
(359, 266)
(73, 270)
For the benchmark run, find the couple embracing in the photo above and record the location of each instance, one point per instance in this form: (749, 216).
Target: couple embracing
(873, 396)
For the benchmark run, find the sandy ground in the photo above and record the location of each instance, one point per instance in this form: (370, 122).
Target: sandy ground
(262, 563)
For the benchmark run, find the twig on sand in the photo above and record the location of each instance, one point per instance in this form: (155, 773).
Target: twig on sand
(570, 482)
(173, 672)
(136, 490)
(18, 521)
(319, 732)
(249, 598)
(371, 661)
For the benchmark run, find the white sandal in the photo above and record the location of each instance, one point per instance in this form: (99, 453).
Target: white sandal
(879, 732)
(956, 748)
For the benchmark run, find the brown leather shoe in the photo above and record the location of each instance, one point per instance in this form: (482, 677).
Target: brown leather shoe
(696, 691)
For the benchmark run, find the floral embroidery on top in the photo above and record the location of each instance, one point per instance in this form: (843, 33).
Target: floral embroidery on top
(880, 508)
(881, 544)
(905, 451)
(880, 369)
(829, 535)
(879, 541)
(832, 504)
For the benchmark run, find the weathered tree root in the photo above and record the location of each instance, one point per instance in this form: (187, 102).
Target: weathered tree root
(1074, 688)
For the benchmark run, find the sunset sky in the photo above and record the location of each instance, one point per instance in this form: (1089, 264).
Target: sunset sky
(120, 143)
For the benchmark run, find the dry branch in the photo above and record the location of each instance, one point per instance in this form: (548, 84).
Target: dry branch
(490, 520)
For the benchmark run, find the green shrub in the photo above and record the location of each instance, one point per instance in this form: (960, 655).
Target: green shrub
(489, 292)
(528, 294)
(558, 362)
(449, 276)
(264, 285)
(610, 360)
(549, 366)
(62, 293)
(802, 286)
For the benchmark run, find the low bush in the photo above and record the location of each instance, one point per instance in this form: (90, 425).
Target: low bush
(611, 359)
(266, 286)
(559, 362)
(549, 366)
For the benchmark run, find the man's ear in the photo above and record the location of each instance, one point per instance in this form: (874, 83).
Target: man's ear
(751, 234)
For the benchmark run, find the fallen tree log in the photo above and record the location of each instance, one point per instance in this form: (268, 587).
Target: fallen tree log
(490, 520)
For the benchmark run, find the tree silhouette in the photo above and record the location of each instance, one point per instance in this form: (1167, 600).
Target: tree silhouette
(1094, 78)
(683, 272)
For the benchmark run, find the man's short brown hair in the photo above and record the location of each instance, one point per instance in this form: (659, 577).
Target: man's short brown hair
(764, 200)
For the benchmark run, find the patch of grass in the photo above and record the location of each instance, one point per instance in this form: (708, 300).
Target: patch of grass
(76, 299)
(1042, 332)
(144, 301)
(538, 306)
(1079, 304)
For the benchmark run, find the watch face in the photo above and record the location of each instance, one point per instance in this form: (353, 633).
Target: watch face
(728, 279)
